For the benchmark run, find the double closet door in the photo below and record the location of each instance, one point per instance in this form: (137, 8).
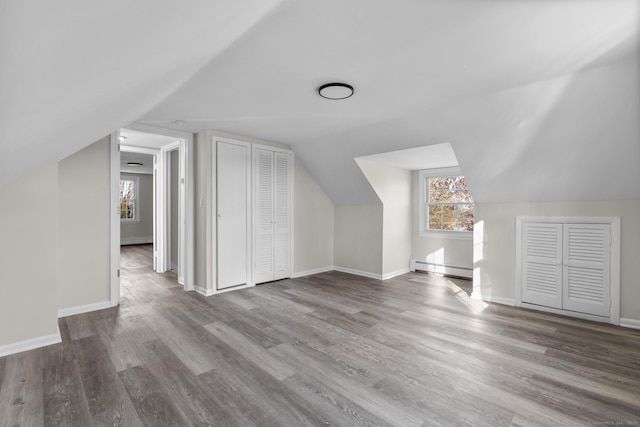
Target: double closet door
(272, 214)
(567, 266)
(253, 213)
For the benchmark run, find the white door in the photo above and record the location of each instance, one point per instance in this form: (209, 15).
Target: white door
(587, 263)
(542, 264)
(264, 218)
(233, 213)
(282, 216)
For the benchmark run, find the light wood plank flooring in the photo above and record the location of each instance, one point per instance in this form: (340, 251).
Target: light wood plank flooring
(325, 350)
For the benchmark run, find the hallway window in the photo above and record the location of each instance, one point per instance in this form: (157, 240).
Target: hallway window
(129, 186)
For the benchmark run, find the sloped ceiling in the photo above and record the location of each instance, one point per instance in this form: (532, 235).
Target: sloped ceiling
(74, 71)
(539, 99)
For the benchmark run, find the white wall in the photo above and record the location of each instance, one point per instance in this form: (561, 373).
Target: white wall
(393, 187)
(313, 223)
(84, 233)
(358, 238)
(450, 252)
(140, 232)
(494, 245)
(203, 227)
(28, 256)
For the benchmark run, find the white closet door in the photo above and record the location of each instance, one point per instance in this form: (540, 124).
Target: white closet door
(542, 264)
(282, 214)
(264, 203)
(233, 215)
(587, 259)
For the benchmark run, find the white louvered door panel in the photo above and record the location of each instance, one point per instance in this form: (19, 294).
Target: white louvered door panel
(282, 214)
(586, 270)
(542, 264)
(264, 230)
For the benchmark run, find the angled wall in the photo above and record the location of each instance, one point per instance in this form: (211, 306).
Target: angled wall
(313, 224)
(84, 233)
(28, 259)
(358, 239)
(393, 187)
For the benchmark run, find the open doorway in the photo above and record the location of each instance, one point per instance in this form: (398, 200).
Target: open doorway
(137, 201)
(152, 189)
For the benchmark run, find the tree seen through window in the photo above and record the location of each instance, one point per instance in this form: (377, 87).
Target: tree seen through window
(449, 203)
(128, 199)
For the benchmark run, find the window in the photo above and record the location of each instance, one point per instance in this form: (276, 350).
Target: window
(446, 206)
(129, 188)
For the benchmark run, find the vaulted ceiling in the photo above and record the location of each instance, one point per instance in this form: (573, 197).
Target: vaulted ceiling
(539, 99)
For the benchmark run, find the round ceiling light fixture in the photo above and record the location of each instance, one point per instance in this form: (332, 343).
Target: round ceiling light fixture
(134, 164)
(335, 91)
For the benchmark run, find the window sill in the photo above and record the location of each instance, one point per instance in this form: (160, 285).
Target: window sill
(452, 235)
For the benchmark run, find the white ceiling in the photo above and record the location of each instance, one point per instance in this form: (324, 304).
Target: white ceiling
(428, 157)
(134, 138)
(126, 158)
(533, 96)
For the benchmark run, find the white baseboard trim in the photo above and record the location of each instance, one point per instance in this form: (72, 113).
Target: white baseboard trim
(358, 272)
(629, 323)
(30, 344)
(313, 271)
(449, 270)
(203, 291)
(395, 273)
(497, 300)
(71, 311)
(136, 240)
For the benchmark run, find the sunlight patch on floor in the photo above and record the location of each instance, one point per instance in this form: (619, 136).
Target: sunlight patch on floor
(476, 306)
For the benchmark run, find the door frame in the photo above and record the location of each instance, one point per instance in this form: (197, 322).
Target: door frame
(164, 213)
(114, 219)
(186, 207)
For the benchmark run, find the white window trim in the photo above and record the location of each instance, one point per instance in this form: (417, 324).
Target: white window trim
(136, 180)
(440, 234)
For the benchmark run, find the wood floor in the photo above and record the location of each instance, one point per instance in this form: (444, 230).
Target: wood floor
(324, 350)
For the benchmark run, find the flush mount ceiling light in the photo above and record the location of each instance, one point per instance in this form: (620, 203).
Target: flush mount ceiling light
(134, 163)
(335, 91)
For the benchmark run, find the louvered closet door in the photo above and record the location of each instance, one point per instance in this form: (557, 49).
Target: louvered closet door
(587, 259)
(542, 264)
(282, 214)
(264, 200)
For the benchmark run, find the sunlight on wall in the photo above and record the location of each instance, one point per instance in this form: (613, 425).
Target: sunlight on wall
(478, 256)
(478, 241)
(436, 257)
(535, 102)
